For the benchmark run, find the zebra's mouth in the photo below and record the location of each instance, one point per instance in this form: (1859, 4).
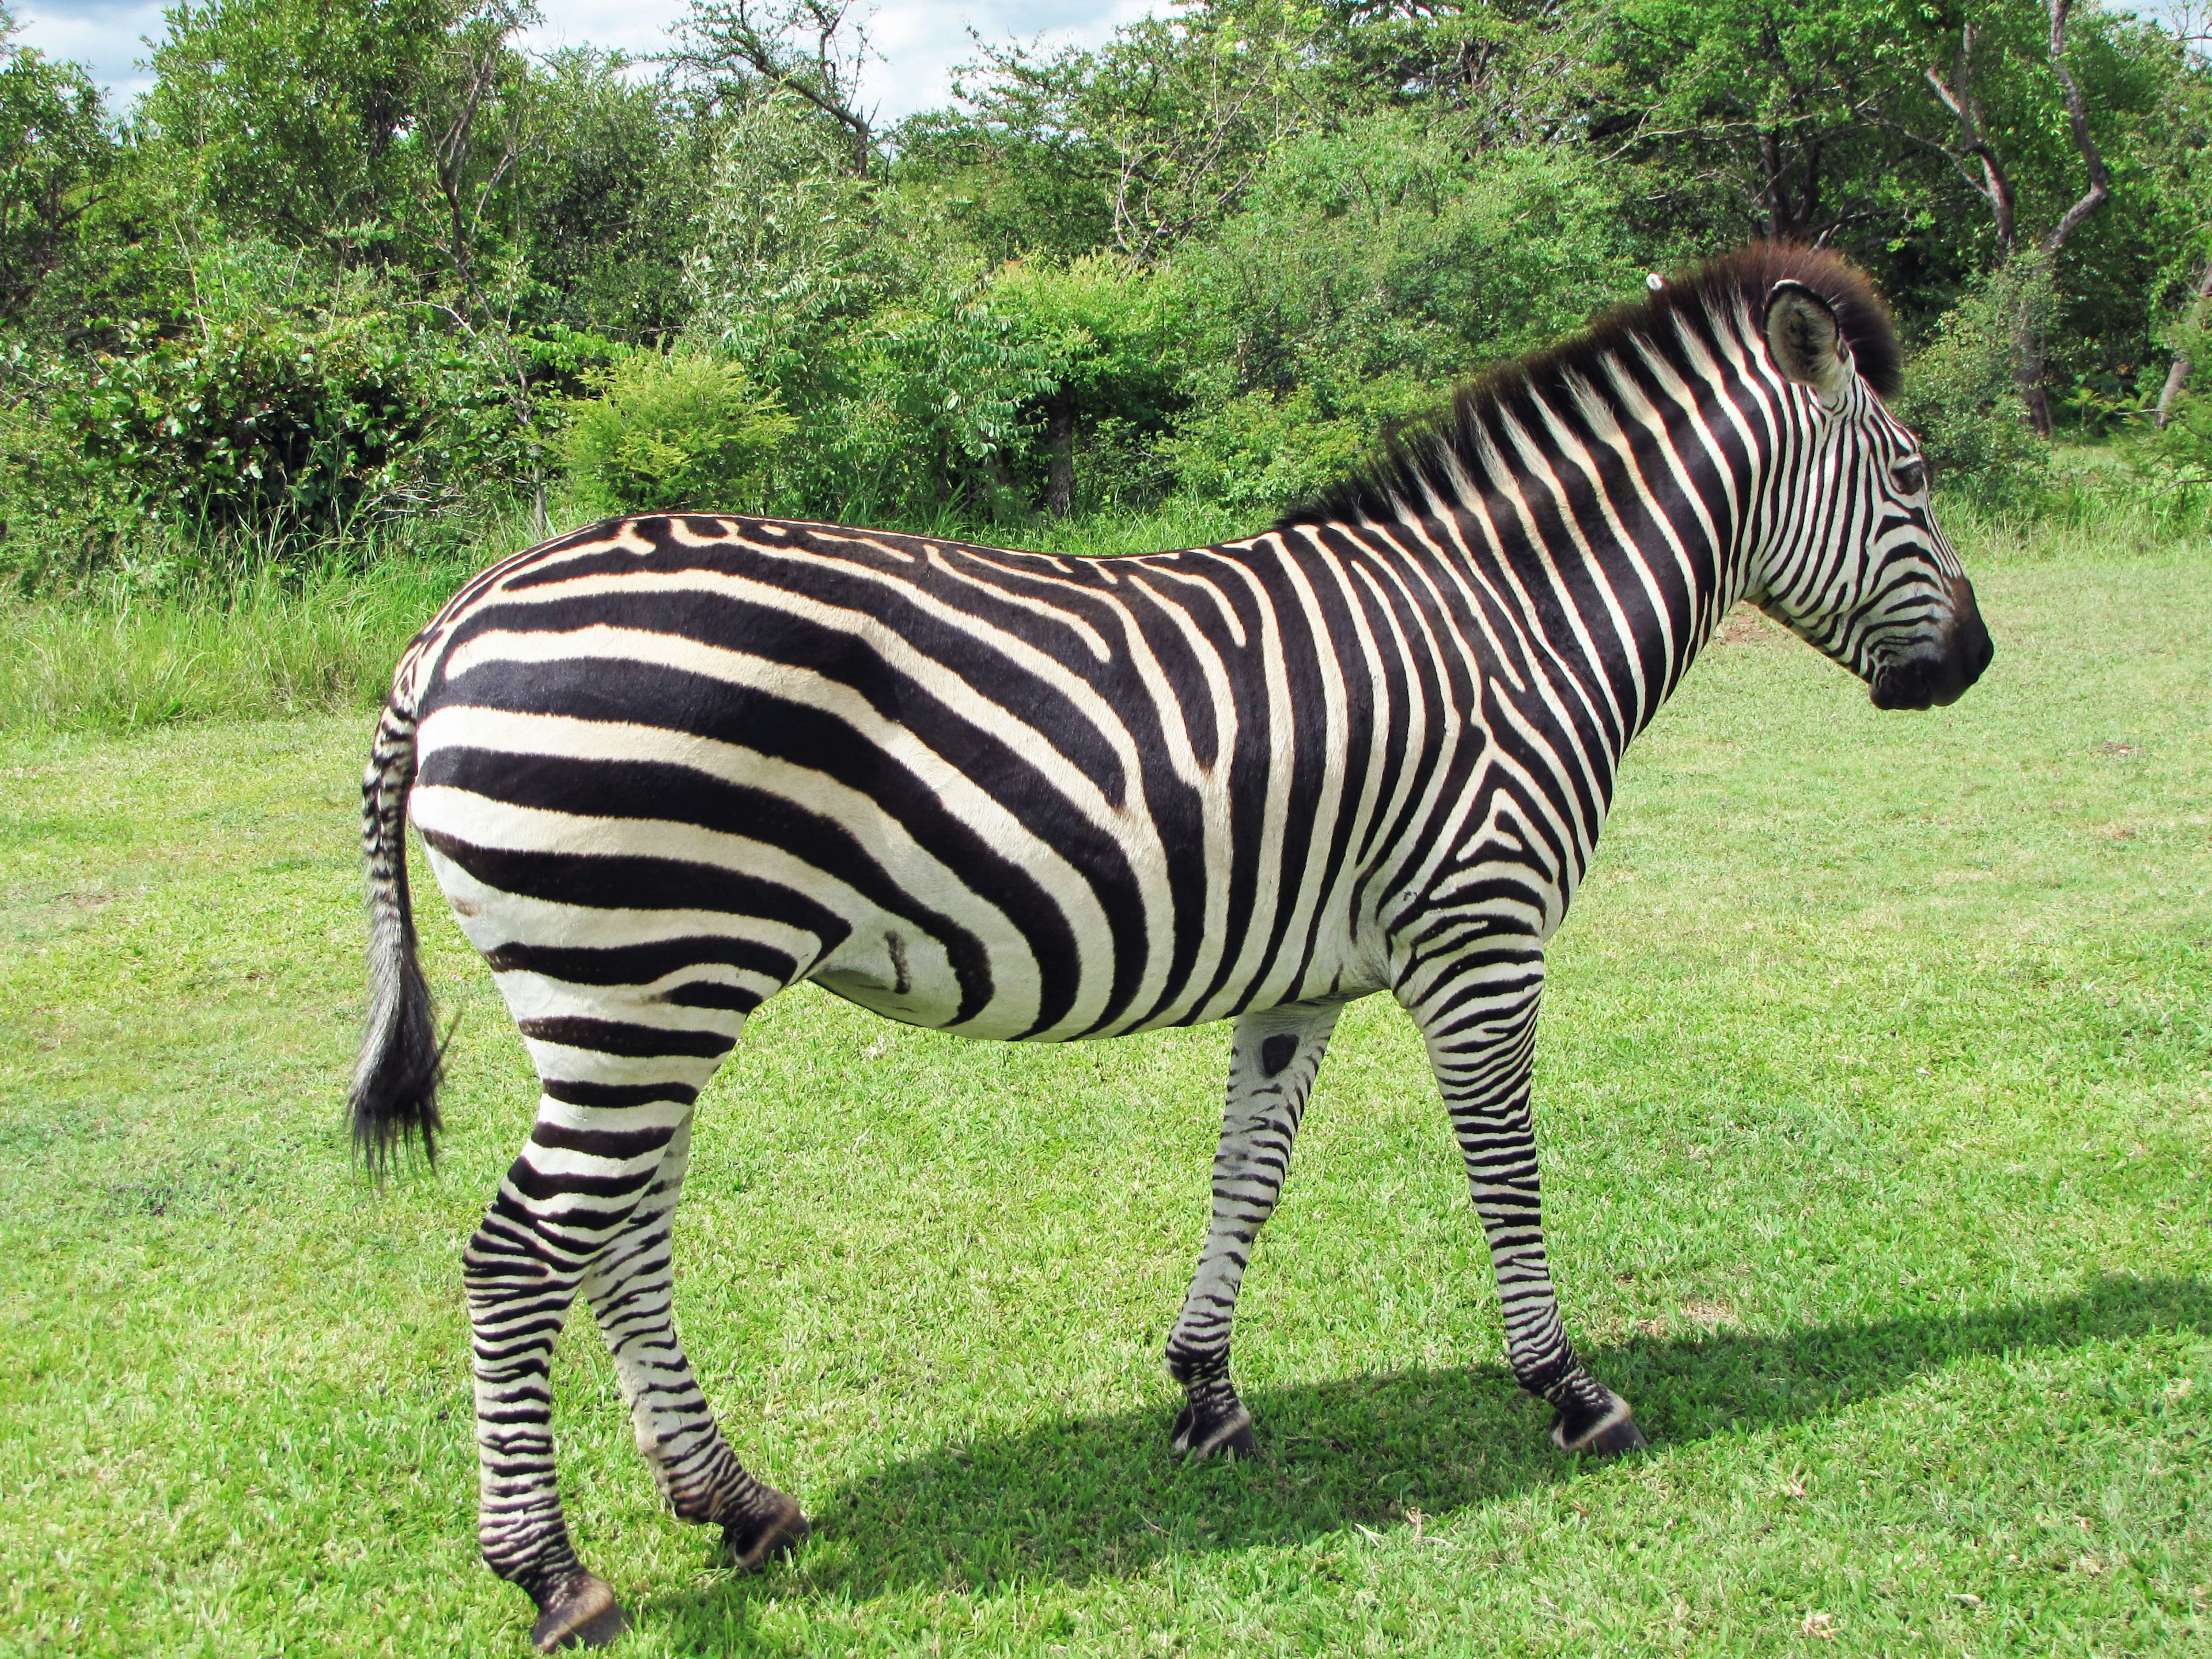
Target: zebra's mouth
(1937, 675)
(1932, 679)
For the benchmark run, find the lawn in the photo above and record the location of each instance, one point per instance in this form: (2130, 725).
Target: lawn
(1875, 1098)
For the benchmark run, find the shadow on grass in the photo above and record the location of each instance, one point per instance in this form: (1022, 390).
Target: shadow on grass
(1072, 1500)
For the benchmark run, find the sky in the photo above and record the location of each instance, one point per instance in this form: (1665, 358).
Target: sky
(919, 41)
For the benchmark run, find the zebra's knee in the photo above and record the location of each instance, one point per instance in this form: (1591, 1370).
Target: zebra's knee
(499, 1262)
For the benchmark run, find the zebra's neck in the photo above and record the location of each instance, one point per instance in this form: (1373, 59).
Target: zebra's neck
(1610, 513)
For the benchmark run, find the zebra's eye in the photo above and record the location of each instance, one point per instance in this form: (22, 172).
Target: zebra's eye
(1911, 477)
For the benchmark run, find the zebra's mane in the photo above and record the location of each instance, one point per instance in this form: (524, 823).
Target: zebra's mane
(1448, 448)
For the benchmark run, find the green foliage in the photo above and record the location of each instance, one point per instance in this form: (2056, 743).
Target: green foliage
(1135, 146)
(1961, 395)
(2177, 458)
(1113, 336)
(793, 248)
(54, 153)
(1209, 254)
(671, 433)
(607, 194)
(267, 418)
(1418, 265)
(933, 395)
(1414, 259)
(297, 114)
(1266, 452)
(271, 423)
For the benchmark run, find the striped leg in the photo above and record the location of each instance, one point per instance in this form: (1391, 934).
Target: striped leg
(632, 1289)
(1271, 1063)
(620, 1076)
(1480, 1028)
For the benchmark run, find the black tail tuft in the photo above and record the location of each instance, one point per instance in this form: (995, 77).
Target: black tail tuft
(395, 1088)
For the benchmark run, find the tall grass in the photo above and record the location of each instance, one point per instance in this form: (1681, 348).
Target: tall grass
(270, 644)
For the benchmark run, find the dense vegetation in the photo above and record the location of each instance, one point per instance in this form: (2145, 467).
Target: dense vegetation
(360, 273)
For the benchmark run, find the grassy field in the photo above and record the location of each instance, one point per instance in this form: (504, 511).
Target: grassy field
(1876, 1103)
(116, 659)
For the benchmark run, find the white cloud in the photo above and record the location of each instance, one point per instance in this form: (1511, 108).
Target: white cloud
(921, 41)
(103, 34)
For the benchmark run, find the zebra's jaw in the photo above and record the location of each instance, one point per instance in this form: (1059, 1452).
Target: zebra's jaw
(1936, 675)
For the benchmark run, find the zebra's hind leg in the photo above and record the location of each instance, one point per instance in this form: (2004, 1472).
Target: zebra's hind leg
(1271, 1063)
(621, 1068)
(1480, 1028)
(632, 1290)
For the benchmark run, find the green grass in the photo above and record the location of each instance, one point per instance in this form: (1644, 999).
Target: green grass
(266, 645)
(1876, 1097)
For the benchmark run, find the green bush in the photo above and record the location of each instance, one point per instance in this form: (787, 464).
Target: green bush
(2172, 465)
(265, 419)
(684, 431)
(1261, 453)
(1961, 399)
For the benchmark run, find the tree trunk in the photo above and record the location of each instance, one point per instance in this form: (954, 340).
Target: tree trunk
(1964, 103)
(2176, 382)
(2027, 343)
(2027, 374)
(2177, 376)
(1060, 440)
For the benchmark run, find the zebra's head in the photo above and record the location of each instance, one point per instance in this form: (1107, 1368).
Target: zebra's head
(1851, 558)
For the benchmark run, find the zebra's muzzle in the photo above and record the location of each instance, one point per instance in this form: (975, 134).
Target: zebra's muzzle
(1938, 675)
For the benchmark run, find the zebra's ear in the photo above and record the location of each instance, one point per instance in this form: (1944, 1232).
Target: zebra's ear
(1806, 345)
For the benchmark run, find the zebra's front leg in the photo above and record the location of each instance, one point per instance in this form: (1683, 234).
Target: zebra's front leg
(1271, 1063)
(632, 1290)
(1481, 1037)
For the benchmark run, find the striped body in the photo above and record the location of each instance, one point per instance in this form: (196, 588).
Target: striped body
(667, 766)
(780, 728)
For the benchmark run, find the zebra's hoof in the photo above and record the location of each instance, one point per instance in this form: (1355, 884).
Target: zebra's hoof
(1612, 1436)
(777, 1528)
(578, 1611)
(1220, 1436)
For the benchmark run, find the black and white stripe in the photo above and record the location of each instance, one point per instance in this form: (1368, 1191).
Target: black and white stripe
(667, 767)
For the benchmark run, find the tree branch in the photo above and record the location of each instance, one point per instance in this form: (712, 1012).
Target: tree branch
(2100, 190)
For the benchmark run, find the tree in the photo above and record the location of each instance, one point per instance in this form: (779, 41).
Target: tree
(1995, 45)
(1752, 115)
(607, 197)
(55, 151)
(295, 114)
(1146, 140)
(813, 50)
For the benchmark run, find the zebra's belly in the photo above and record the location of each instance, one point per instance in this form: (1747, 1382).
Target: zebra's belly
(889, 970)
(932, 1001)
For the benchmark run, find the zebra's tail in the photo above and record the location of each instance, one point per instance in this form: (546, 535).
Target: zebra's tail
(395, 1087)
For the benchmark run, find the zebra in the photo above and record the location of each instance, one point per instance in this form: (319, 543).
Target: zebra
(665, 767)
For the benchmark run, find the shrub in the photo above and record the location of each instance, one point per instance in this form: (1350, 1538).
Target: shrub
(684, 431)
(1962, 398)
(1261, 453)
(264, 419)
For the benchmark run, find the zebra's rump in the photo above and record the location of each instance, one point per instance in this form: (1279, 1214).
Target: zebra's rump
(1011, 794)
